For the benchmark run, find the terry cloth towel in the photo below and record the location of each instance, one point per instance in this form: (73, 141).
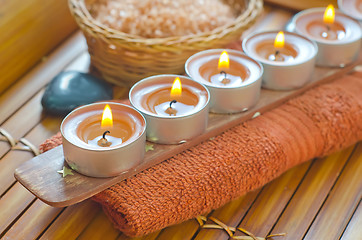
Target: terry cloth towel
(319, 122)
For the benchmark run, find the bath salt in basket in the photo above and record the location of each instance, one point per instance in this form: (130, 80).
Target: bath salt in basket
(123, 59)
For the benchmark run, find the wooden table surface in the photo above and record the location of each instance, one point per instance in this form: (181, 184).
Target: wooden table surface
(320, 199)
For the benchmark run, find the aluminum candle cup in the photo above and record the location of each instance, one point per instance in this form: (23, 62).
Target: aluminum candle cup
(171, 119)
(338, 43)
(83, 134)
(287, 67)
(352, 8)
(233, 88)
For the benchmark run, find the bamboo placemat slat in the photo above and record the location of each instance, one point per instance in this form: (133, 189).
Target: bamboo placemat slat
(105, 228)
(15, 200)
(22, 121)
(233, 219)
(260, 221)
(354, 230)
(72, 221)
(341, 201)
(29, 30)
(185, 230)
(38, 77)
(12, 204)
(271, 202)
(230, 214)
(151, 236)
(30, 113)
(33, 222)
(12, 159)
(7, 166)
(272, 19)
(309, 197)
(302, 4)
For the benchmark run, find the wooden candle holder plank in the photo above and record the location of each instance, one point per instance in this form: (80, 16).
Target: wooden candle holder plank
(39, 175)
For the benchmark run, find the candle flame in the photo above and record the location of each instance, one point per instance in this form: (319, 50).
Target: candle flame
(176, 89)
(223, 61)
(328, 16)
(279, 40)
(107, 118)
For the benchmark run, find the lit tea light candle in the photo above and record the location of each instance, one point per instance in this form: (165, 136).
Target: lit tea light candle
(288, 58)
(175, 107)
(280, 51)
(172, 102)
(224, 75)
(91, 133)
(103, 139)
(337, 35)
(233, 79)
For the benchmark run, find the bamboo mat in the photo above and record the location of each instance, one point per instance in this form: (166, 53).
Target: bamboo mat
(320, 199)
(302, 4)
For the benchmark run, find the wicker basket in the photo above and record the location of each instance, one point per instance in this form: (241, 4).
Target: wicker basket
(124, 59)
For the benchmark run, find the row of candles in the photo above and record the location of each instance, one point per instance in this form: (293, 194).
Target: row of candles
(106, 139)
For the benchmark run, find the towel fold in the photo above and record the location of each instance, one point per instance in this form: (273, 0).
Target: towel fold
(317, 123)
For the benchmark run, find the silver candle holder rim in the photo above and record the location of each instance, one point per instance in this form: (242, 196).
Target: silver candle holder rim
(220, 50)
(341, 7)
(168, 117)
(281, 64)
(108, 149)
(322, 41)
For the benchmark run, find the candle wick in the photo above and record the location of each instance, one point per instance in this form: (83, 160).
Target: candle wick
(173, 101)
(277, 52)
(328, 28)
(223, 72)
(225, 80)
(104, 134)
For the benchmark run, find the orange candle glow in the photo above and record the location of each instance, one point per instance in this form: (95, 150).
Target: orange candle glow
(278, 51)
(323, 25)
(279, 40)
(104, 130)
(176, 103)
(176, 89)
(224, 62)
(228, 73)
(329, 14)
(107, 117)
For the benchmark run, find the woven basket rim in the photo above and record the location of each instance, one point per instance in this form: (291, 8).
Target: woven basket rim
(79, 9)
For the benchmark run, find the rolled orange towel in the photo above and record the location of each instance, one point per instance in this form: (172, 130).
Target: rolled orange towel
(207, 176)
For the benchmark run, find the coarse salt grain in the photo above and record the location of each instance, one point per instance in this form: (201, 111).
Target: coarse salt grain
(162, 18)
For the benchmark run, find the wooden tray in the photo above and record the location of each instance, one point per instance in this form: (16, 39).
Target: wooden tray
(39, 175)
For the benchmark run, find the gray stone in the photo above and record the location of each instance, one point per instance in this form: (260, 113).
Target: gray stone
(71, 89)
